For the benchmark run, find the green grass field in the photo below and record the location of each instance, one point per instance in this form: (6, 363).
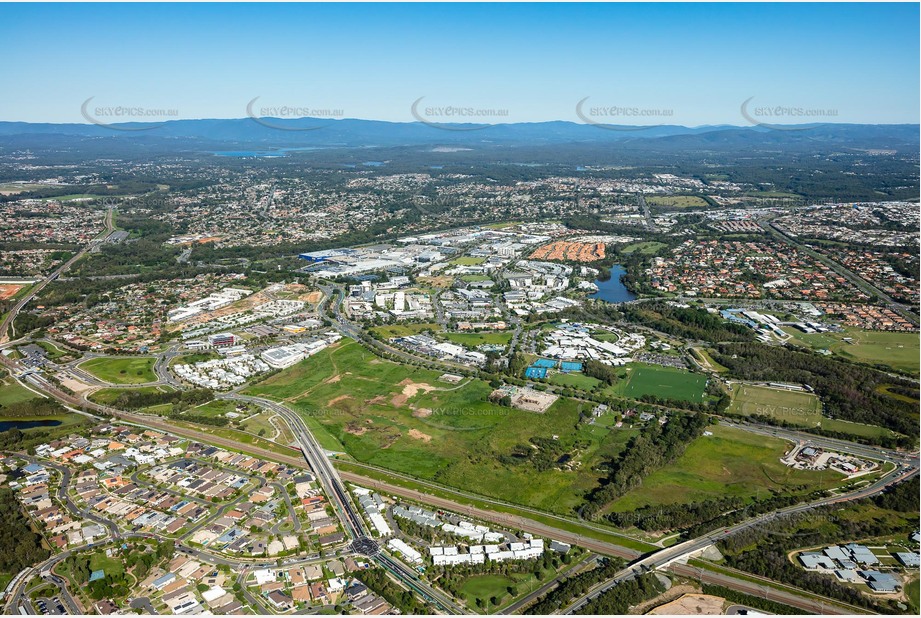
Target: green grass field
(897, 350)
(857, 429)
(667, 382)
(107, 396)
(386, 414)
(52, 351)
(468, 261)
(121, 369)
(474, 278)
(485, 587)
(111, 566)
(217, 407)
(799, 408)
(676, 201)
(576, 380)
(644, 248)
(731, 462)
(472, 340)
(12, 392)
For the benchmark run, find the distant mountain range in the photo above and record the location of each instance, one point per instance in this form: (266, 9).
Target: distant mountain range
(351, 133)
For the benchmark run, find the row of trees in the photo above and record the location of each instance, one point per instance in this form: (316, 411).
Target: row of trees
(617, 600)
(655, 447)
(377, 581)
(136, 399)
(849, 391)
(685, 322)
(574, 587)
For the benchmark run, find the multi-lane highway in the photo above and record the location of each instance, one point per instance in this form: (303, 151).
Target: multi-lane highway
(352, 521)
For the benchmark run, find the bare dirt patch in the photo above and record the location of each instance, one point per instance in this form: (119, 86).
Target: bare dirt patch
(313, 297)
(8, 290)
(692, 605)
(75, 385)
(376, 400)
(355, 429)
(418, 435)
(336, 400)
(410, 389)
(422, 412)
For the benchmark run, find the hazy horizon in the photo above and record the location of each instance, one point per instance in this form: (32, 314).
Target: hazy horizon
(690, 64)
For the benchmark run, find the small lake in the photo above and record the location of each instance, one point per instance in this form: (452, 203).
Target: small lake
(23, 424)
(264, 154)
(613, 290)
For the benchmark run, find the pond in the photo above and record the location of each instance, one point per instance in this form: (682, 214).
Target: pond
(613, 290)
(27, 424)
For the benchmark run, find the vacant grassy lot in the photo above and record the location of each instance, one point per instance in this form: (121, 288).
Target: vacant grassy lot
(107, 396)
(485, 587)
(191, 359)
(676, 201)
(99, 561)
(12, 392)
(800, 408)
(403, 419)
(730, 462)
(52, 351)
(645, 248)
(472, 340)
(216, 407)
(122, 370)
(857, 429)
(667, 382)
(897, 350)
(402, 330)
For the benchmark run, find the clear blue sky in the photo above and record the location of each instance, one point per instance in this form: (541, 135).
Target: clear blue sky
(537, 60)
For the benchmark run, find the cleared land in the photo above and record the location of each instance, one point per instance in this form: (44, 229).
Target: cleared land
(403, 419)
(402, 330)
(676, 201)
(570, 251)
(731, 462)
(122, 370)
(472, 340)
(799, 408)
(9, 290)
(897, 350)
